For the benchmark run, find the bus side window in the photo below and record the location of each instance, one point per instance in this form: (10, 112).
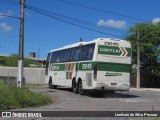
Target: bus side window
(76, 53)
(90, 52)
(62, 56)
(85, 55)
(80, 53)
(55, 57)
(67, 55)
(58, 57)
(72, 55)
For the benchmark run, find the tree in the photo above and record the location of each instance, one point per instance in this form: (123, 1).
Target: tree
(149, 48)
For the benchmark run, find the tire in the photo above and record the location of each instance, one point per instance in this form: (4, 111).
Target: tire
(54, 86)
(50, 84)
(74, 87)
(80, 88)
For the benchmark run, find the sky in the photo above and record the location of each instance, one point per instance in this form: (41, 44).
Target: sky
(72, 20)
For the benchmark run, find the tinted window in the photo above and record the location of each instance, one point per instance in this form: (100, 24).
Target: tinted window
(79, 53)
(47, 63)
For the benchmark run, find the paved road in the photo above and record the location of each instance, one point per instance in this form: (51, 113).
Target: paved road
(134, 100)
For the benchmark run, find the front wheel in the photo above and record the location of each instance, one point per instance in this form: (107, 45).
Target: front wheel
(50, 84)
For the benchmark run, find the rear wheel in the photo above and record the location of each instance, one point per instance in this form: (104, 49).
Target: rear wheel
(74, 87)
(80, 88)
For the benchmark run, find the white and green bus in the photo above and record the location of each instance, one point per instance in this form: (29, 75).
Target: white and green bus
(100, 64)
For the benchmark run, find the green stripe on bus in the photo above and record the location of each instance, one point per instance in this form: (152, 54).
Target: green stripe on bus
(57, 67)
(88, 66)
(114, 67)
(104, 66)
(129, 50)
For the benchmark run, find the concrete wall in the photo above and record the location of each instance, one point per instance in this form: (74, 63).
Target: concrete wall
(31, 75)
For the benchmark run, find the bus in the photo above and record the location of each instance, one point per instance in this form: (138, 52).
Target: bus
(100, 64)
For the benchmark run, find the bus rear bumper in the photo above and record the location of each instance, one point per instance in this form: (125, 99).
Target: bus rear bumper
(112, 86)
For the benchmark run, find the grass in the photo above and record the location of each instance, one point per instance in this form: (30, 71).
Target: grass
(152, 118)
(12, 97)
(30, 84)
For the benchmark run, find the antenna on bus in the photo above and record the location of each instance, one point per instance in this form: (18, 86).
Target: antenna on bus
(81, 39)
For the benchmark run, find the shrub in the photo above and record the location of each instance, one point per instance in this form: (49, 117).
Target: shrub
(12, 97)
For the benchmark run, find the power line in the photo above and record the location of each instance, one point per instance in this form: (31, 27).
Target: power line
(84, 22)
(46, 14)
(77, 20)
(95, 9)
(9, 16)
(10, 2)
(84, 6)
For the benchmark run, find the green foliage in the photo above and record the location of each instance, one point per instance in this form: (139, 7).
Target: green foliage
(13, 97)
(153, 118)
(12, 61)
(149, 48)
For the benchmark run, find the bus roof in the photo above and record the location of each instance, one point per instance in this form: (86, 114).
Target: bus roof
(89, 42)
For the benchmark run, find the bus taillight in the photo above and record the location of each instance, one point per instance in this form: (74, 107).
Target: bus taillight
(95, 72)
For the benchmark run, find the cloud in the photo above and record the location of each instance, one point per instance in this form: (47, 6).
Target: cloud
(9, 12)
(156, 20)
(5, 28)
(112, 23)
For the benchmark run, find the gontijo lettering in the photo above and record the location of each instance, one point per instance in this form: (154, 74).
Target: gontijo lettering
(110, 50)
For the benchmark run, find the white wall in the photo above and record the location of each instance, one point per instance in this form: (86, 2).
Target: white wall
(31, 75)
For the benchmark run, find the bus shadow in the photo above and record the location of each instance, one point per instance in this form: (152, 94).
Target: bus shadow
(103, 94)
(64, 89)
(100, 94)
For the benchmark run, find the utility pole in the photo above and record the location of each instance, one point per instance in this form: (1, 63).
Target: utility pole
(138, 61)
(38, 53)
(20, 81)
(38, 56)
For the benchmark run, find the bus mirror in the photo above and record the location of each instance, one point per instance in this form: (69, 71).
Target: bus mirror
(44, 62)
